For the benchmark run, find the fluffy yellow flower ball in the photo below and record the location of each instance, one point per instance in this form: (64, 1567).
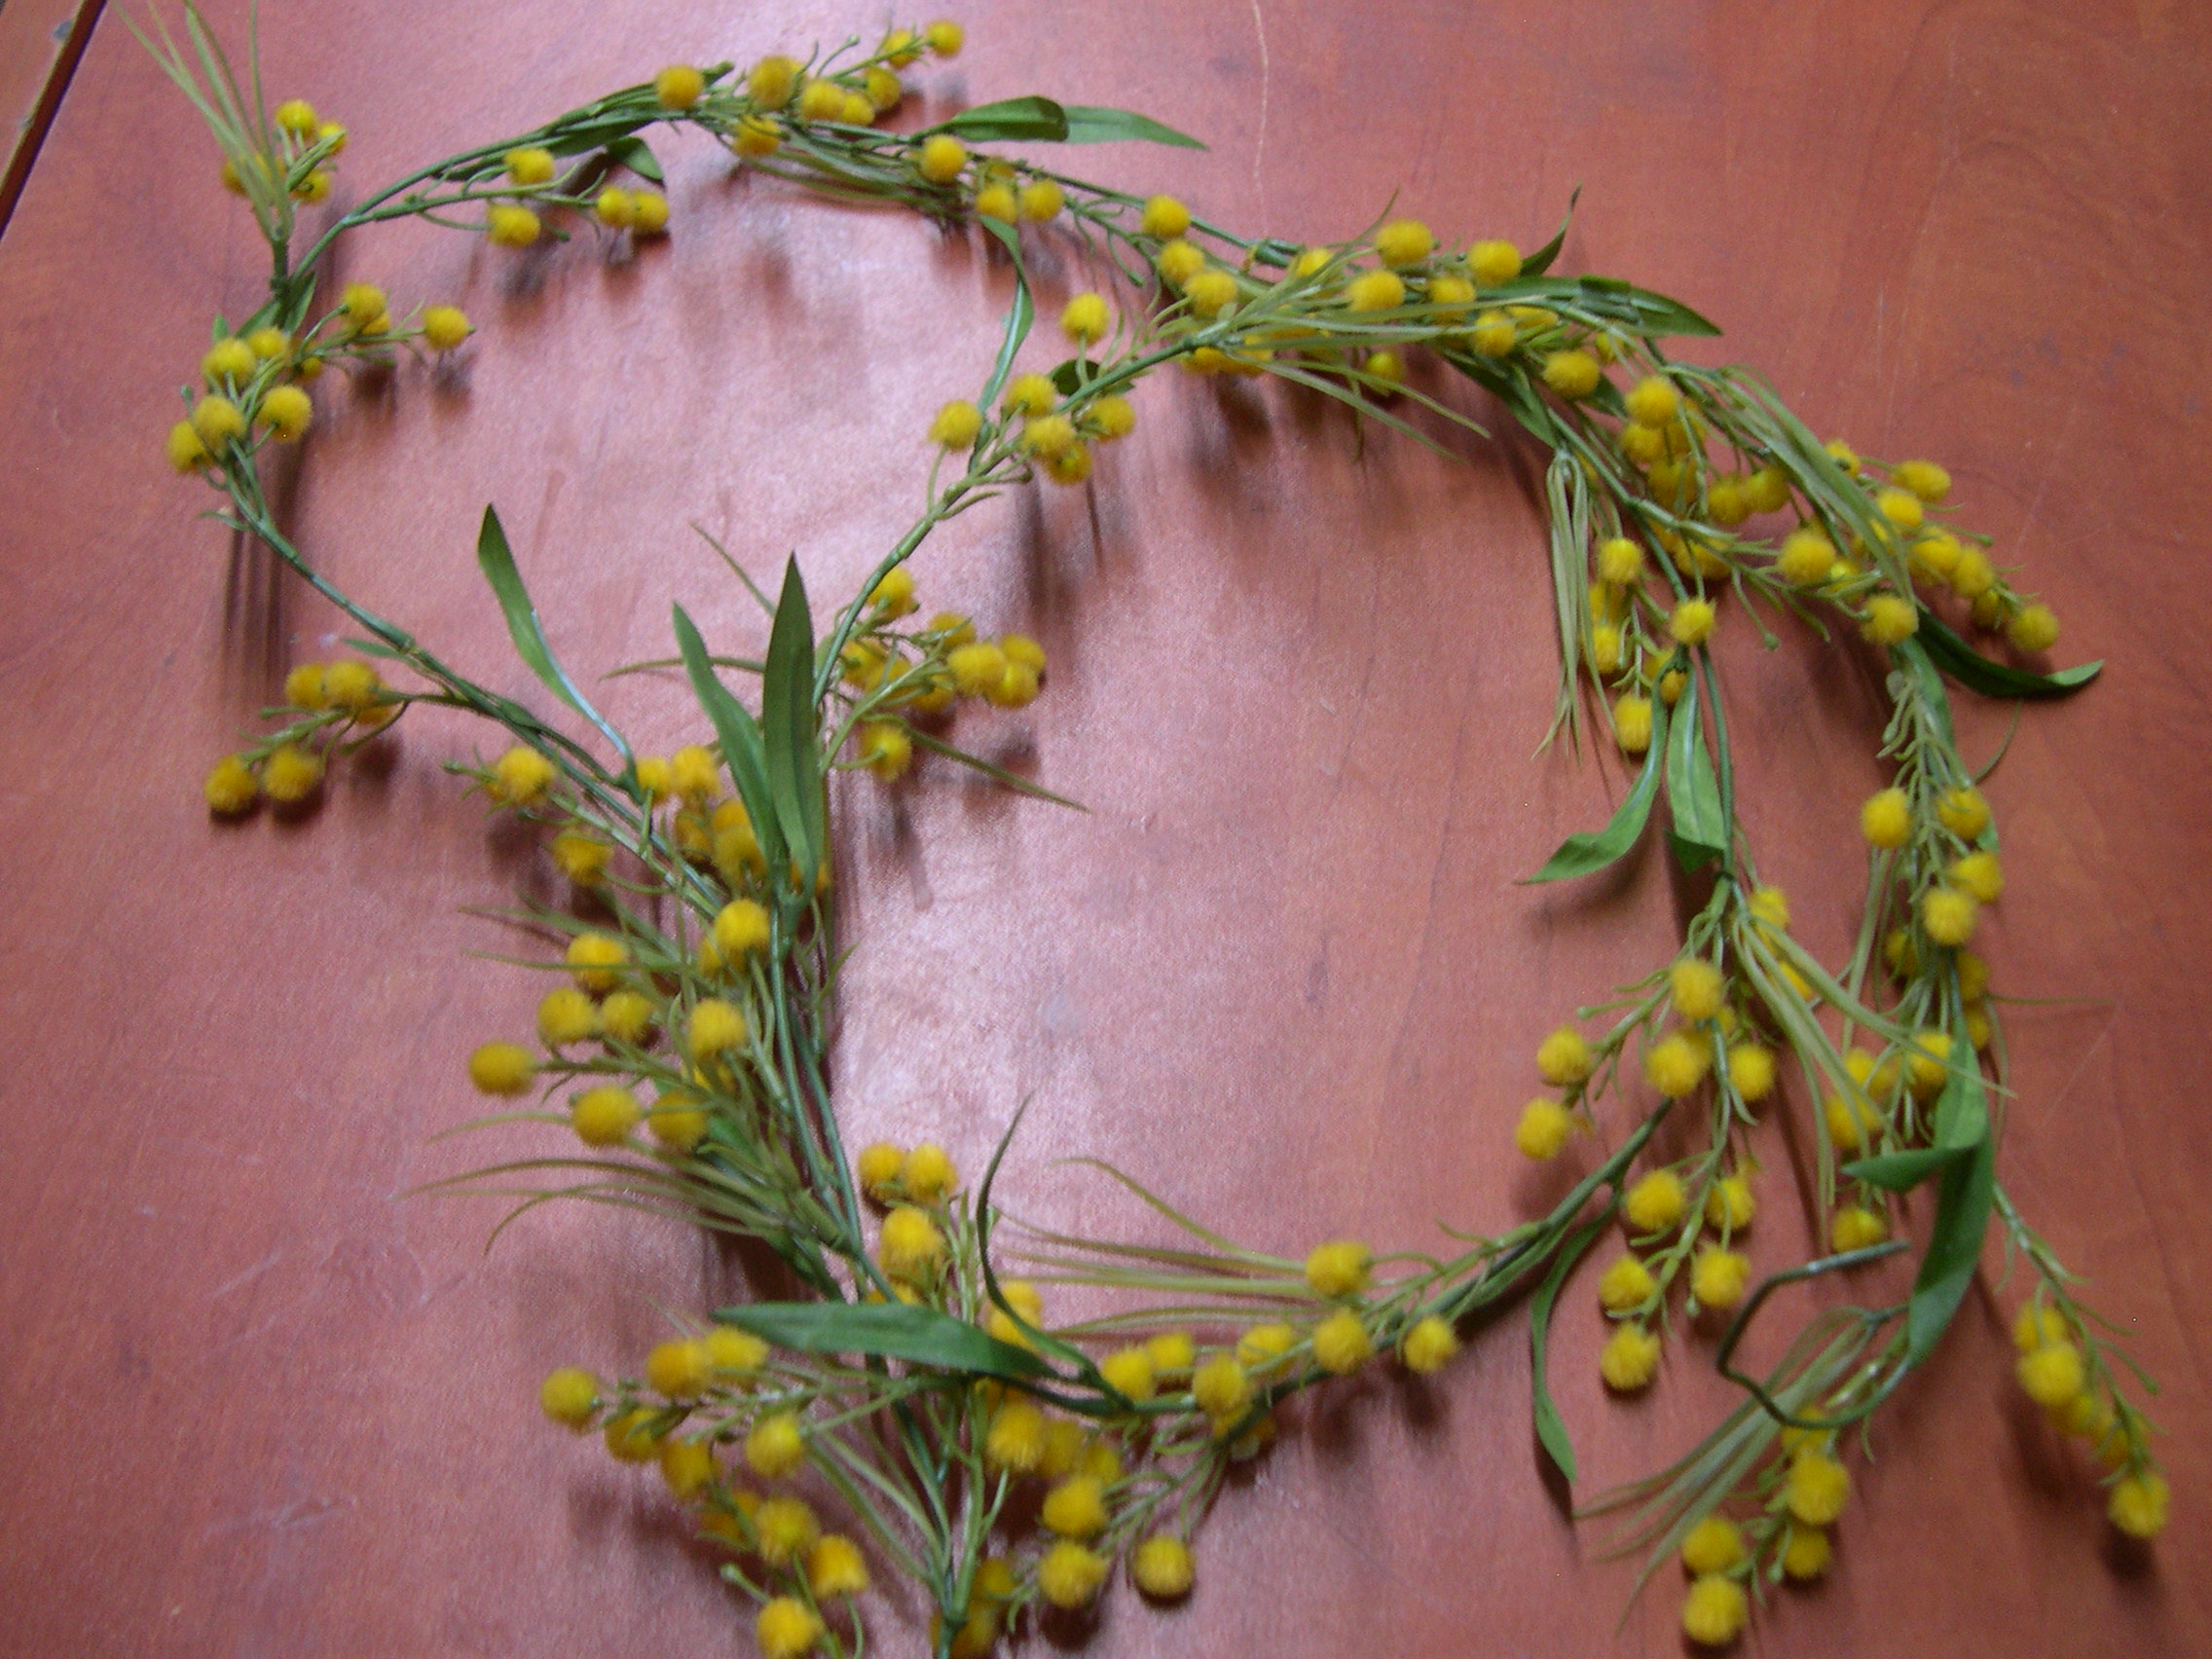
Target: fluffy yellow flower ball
(1676, 1064)
(928, 1176)
(231, 786)
(1341, 1344)
(291, 774)
(717, 1027)
(502, 1068)
(1543, 1129)
(1807, 1554)
(570, 1396)
(775, 1446)
(1857, 1228)
(1656, 1202)
(1720, 1278)
(2138, 1504)
(912, 1248)
(1886, 819)
(1949, 914)
(1375, 290)
(1069, 1575)
(1162, 1568)
(1630, 1359)
(1494, 262)
(1086, 318)
(1714, 1546)
(604, 1116)
(679, 87)
(1572, 373)
(510, 226)
(787, 1628)
(1404, 241)
(942, 159)
(1564, 1058)
(1715, 1611)
(1805, 559)
(1691, 622)
(1221, 1387)
(2052, 1375)
(1164, 217)
(1626, 1285)
(1817, 1489)
(1430, 1345)
(1632, 724)
(1338, 1269)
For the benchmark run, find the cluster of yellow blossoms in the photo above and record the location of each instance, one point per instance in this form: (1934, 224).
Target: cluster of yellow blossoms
(259, 379)
(707, 995)
(333, 707)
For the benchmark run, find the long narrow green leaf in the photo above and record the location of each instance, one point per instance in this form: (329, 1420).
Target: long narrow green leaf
(1539, 262)
(743, 748)
(1012, 780)
(1017, 320)
(1590, 850)
(1091, 124)
(791, 729)
(498, 562)
(1962, 1205)
(1970, 669)
(1700, 832)
(1901, 1171)
(890, 1330)
(1922, 667)
(1022, 119)
(1551, 1427)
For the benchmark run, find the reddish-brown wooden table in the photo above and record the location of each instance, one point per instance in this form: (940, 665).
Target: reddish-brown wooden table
(259, 1402)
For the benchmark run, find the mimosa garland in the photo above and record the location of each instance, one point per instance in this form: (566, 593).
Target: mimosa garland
(911, 1393)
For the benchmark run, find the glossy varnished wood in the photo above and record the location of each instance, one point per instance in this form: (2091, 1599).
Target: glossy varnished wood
(260, 1402)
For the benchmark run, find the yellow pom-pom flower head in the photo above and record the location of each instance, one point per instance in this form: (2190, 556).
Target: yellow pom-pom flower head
(570, 1397)
(679, 87)
(1715, 1611)
(943, 158)
(1162, 1568)
(1404, 241)
(1656, 1202)
(1544, 1127)
(1564, 1058)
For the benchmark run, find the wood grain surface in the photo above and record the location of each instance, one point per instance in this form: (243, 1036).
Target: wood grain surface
(260, 1402)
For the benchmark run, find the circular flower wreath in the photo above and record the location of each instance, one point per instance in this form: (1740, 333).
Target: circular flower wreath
(907, 1391)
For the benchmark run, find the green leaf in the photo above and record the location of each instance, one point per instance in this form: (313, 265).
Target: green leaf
(1962, 1205)
(1017, 321)
(1067, 377)
(633, 152)
(1539, 262)
(1659, 315)
(791, 729)
(743, 750)
(1962, 1216)
(1901, 1171)
(498, 562)
(372, 647)
(1976, 673)
(1962, 1111)
(1700, 832)
(1089, 124)
(889, 1330)
(1591, 851)
(1019, 119)
(1917, 663)
(1551, 1427)
(1012, 780)
(593, 135)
